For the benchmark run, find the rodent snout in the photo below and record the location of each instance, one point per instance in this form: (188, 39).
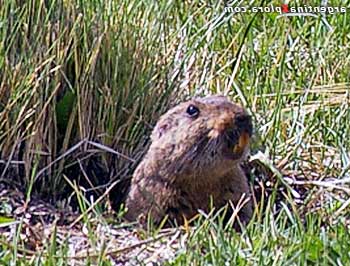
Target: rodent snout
(219, 125)
(235, 130)
(241, 123)
(244, 126)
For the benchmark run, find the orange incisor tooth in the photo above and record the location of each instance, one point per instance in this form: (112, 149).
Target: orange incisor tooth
(243, 141)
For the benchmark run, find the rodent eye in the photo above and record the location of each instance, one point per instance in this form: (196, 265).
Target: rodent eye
(192, 110)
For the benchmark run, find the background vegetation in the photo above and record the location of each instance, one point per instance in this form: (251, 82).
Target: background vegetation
(78, 74)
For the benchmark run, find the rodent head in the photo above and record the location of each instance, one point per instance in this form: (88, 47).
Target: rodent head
(202, 134)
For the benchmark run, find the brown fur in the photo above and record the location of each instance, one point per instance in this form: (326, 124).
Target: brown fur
(192, 160)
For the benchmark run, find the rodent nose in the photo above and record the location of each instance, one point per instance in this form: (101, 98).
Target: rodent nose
(244, 124)
(238, 136)
(245, 128)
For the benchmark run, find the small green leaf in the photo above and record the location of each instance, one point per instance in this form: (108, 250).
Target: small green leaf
(6, 221)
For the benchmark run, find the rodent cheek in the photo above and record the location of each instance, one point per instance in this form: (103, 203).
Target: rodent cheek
(213, 134)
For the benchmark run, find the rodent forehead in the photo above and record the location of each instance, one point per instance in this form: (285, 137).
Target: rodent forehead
(214, 99)
(217, 104)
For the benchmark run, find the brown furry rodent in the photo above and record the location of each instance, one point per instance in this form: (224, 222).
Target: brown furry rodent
(194, 159)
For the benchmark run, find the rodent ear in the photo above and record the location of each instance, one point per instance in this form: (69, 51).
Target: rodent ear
(159, 130)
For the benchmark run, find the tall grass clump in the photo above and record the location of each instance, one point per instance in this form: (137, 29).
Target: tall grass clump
(86, 70)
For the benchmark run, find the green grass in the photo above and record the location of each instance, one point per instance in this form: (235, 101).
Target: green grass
(105, 71)
(279, 241)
